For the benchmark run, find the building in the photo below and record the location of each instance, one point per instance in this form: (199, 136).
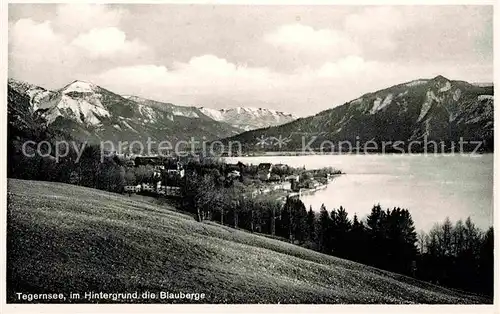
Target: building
(275, 178)
(265, 190)
(294, 182)
(174, 168)
(234, 174)
(156, 174)
(312, 184)
(129, 189)
(264, 171)
(147, 187)
(138, 188)
(173, 176)
(286, 186)
(281, 168)
(295, 177)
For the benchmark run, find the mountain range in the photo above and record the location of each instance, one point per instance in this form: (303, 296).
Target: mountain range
(436, 109)
(91, 113)
(248, 118)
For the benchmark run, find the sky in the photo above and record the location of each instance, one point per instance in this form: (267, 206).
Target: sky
(296, 59)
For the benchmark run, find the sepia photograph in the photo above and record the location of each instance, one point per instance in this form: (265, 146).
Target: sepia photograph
(249, 154)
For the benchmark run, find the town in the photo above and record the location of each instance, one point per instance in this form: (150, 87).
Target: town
(165, 176)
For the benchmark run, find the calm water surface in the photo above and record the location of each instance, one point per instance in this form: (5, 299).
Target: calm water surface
(432, 187)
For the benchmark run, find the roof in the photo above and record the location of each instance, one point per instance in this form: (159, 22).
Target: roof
(264, 166)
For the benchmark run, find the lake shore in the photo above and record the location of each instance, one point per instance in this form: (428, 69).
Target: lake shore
(433, 187)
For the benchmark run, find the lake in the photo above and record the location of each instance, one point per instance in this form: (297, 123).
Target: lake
(432, 187)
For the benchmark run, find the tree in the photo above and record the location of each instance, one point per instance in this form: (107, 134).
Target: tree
(357, 237)
(446, 239)
(130, 177)
(377, 236)
(458, 238)
(293, 220)
(88, 167)
(421, 241)
(486, 266)
(300, 221)
(392, 239)
(305, 176)
(468, 265)
(402, 240)
(311, 222)
(234, 193)
(324, 223)
(339, 231)
(111, 177)
(144, 173)
(201, 196)
(472, 237)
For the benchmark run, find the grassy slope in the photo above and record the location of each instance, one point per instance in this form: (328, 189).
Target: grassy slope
(65, 238)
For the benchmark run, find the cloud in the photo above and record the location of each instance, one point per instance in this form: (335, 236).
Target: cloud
(106, 42)
(373, 28)
(298, 35)
(78, 40)
(26, 34)
(306, 38)
(376, 20)
(76, 18)
(208, 64)
(220, 71)
(371, 31)
(35, 51)
(134, 75)
(206, 74)
(351, 65)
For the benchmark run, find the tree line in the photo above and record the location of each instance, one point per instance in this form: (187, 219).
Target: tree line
(458, 255)
(88, 171)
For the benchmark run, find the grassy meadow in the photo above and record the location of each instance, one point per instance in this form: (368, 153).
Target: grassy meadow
(65, 238)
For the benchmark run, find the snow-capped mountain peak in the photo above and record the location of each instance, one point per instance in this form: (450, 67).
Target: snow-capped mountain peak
(216, 114)
(248, 118)
(79, 87)
(79, 101)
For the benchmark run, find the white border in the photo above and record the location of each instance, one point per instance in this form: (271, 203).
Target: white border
(186, 308)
